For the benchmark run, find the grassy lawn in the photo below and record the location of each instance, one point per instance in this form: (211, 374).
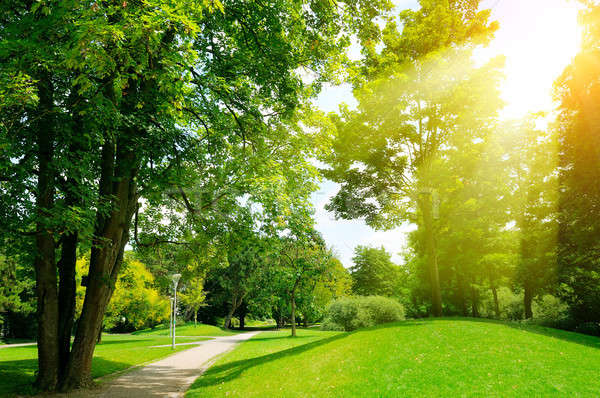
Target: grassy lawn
(116, 352)
(426, 358)
(187, 330)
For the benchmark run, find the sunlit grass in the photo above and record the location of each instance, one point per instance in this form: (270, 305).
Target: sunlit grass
(187, 330)
(425, 358)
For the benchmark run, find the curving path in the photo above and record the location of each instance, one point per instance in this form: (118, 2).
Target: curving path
(169, 377)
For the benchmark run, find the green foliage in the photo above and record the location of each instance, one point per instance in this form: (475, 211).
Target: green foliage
(374, 273)
(578, 90)
(136, 303)
(351, 313)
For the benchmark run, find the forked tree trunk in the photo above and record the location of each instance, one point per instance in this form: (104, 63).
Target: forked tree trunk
(111, 236)
(45, 265)
(235, 303)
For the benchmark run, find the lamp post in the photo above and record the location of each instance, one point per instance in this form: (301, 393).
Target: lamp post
(171, 317)
(175, 279)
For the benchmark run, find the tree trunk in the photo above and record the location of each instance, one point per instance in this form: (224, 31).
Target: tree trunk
(111, 236)
(293, 303)
(243, 311)
(45, 263)
(431, 252)
(67, 288)
(305, 321)
(461, 293)
(195, 317)
(235, 303)
(496, 303)
(474, 302)
(66, 297)
(527, 301)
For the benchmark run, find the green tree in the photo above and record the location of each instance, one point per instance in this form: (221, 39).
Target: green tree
(374, 273)
(413, 96)
(578, 90)
(194, 296)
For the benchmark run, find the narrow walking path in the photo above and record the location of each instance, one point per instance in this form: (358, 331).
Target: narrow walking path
(169, 377)
(16, 345)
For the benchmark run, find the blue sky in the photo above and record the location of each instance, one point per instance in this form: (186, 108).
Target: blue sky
(538, 38)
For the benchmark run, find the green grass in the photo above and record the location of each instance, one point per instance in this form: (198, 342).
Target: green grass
(187, 330)
(425, 358)
(116, 352)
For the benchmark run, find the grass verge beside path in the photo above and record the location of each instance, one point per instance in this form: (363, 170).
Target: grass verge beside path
(424, 358)
(187, 330)
(116, 352)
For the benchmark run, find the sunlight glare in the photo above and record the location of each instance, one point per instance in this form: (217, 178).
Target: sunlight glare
(539, 39)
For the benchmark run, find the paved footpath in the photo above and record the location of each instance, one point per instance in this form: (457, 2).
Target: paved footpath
(169, 377)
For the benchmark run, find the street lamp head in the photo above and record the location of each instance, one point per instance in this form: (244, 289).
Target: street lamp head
(175, 278)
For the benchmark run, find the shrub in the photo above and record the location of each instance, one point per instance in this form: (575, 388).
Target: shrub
(351, 313)
(550, 310)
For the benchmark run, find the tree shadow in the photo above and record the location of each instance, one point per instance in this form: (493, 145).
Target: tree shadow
(229, 371)
(17, 376)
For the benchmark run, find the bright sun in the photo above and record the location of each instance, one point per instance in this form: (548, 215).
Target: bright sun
(539, 39)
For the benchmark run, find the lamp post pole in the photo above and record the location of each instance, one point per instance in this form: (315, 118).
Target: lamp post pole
(171, 317)
(175, 279)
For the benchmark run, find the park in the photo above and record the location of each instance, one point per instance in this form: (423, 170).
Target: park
(289, 198)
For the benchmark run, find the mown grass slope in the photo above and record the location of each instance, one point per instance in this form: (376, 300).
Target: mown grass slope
(428, 358)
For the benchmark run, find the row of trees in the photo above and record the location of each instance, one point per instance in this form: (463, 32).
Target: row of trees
(502, 208)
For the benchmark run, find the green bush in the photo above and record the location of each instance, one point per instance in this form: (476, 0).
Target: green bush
(351, 313)
(550, 309)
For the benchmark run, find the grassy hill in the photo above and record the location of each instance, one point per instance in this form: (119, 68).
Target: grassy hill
(426, 358)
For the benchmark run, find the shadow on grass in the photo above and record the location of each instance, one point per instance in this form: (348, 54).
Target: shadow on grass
(229, 371)
(17, 377)
(571, 337)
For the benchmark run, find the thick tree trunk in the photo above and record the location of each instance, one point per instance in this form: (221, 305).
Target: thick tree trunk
(111, 236)
(431, 252)
(67, 288)
(45, 263)
(66, 297)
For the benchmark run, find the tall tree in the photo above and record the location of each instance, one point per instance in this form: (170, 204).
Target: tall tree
(413, 95)
(578, 90)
